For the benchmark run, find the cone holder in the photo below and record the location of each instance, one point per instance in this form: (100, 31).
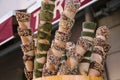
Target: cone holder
(70, 77)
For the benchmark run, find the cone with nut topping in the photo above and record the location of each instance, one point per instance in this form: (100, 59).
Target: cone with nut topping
(43, 36)
(27, 46)
(100, 51)
(61, 37)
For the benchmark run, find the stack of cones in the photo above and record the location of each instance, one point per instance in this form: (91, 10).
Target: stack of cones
(62, 59)
(43, 36)
(27, 46)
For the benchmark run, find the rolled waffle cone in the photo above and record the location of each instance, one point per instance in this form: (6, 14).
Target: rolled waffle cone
(24, 24)
(69, 66)
(62, 37)
(78, 51)
(99, 52)
(43, 36)
(85, 63)
(71, 7)
(88, 32)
